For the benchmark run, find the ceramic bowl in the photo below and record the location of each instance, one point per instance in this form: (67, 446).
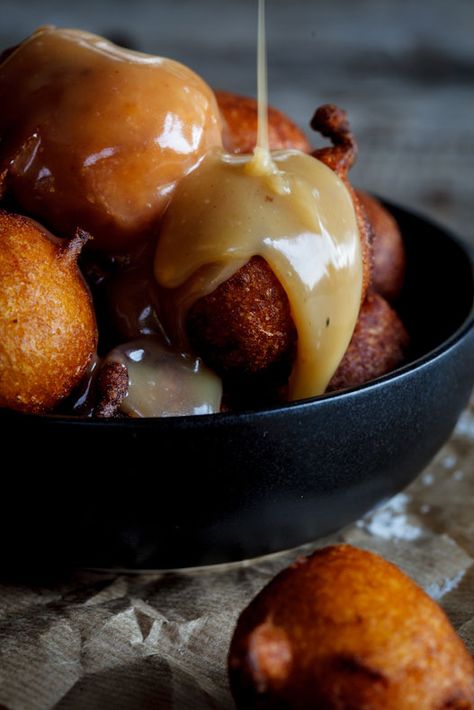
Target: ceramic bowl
(179, 492)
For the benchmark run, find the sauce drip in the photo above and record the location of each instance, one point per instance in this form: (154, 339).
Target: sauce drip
(262, 87)
(163, 383)
(262, 163)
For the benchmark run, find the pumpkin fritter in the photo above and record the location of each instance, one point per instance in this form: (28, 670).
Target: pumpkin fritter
(48, 332)
(344, 629)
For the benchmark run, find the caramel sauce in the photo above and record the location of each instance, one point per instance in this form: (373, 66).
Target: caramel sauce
(131, 299)
(290, 209)
(163, 383)
(97, 136)
(262, 88)
(224, 213)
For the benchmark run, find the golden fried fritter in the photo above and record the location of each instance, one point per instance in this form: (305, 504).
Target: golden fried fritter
(379, 345)
(388, 251)
(345, 630)
(245, 326)
(97, 136)
(48, 333)
(240, 114)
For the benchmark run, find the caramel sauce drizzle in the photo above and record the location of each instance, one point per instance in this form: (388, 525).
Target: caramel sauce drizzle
(285, 206)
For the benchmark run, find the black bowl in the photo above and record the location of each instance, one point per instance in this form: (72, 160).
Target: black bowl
(177, 492)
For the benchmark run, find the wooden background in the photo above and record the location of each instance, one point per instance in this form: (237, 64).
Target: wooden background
(404, 69)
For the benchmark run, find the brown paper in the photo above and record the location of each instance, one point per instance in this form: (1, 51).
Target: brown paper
(131, 642)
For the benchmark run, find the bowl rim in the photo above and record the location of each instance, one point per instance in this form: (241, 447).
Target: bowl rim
(184, 421)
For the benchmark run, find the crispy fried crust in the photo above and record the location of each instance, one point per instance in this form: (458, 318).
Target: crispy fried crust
(379, 344)
(240, 114)
(333, 123)
(48, 333)
(245, 326)
(344, 629)
(388, 251)
(111, 389)
(366, 239)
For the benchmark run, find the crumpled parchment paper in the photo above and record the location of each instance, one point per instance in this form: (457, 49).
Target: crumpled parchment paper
(133, 642)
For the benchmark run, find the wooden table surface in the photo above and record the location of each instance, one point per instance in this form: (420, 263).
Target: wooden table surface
(404, 71)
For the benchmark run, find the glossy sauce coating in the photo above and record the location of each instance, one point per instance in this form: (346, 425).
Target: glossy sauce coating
(162, 383)
(99, 135)
(298, 215)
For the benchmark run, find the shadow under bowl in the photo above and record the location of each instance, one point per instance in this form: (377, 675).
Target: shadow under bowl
(180, 492)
